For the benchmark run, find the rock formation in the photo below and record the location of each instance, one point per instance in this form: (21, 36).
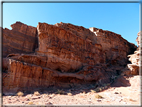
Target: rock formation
(64, 55)
(133, 68)
(21, 39)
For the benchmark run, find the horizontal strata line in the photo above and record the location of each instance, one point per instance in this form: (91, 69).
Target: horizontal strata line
(15, 49)
(69, 52)
(18, 46)
(23, 35)
(56, 73)
(55, 54)
(29, 64)
(66, 50)
(17, 33)
(9, 37)
(7, 46)
(71, 35)
(7, 40)
(14, 34)
(13, 45)
(19, 36)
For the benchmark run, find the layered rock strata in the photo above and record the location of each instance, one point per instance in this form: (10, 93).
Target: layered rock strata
(66, 55)
(21, 39)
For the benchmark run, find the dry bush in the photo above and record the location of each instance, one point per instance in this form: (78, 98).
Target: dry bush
(70, 94)
(98, 96)
(30, 103)
(84, 92)
(20, 93)
(93, 91)
(36, 93)
(60, 92)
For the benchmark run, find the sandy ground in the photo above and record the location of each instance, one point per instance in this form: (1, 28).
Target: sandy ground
(114, 95)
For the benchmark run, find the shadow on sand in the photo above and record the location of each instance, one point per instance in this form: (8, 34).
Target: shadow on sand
(120, 81)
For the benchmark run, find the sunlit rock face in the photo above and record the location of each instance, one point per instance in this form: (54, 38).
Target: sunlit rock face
(134, 66)
(68, 50)
(21, 39)
(115, 47)
(61, 55)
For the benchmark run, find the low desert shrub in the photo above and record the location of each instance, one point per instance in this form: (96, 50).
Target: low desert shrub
(20, 93)
(70, 94)
(60, 92)
(36, 93)
(30, 103)
(93, 91)
(98, 96)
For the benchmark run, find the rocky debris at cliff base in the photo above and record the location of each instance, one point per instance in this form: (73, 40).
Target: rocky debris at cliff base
(122, 95)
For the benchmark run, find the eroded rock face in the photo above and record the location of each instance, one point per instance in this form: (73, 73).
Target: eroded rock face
(66, 55)
(21, 39)
(115, 47)
(75, 46)
(66, 51)
(133, 68)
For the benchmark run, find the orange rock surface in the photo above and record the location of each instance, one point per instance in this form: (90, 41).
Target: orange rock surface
(62, 55)
(21, 39)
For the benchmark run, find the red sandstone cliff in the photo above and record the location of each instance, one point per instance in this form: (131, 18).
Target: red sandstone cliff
(64, 55)
(21, 39)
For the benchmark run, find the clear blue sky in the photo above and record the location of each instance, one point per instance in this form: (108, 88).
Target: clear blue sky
(121, 18)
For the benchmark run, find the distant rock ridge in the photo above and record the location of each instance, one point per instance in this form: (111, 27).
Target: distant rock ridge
(62, 55)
